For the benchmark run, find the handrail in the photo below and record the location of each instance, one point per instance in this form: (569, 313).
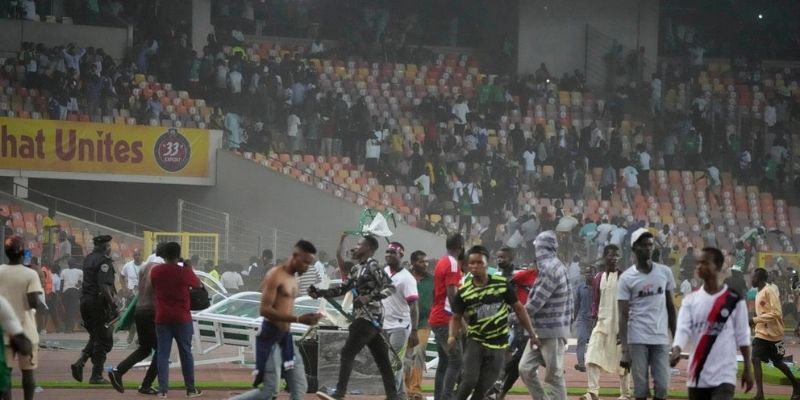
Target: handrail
(137, 227)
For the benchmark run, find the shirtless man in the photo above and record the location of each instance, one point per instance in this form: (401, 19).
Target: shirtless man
(277, 305)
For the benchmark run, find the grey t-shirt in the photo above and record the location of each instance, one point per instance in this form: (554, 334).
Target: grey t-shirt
(64, 254)
(647, 318)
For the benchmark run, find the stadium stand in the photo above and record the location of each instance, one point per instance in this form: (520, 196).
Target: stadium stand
(413, 100)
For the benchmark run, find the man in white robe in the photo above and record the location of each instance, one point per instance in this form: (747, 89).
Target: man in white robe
(604, 352)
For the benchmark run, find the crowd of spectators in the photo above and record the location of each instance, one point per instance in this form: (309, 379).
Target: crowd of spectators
(277, 104)
(86, 12)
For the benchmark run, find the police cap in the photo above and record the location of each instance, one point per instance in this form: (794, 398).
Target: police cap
(101, 239)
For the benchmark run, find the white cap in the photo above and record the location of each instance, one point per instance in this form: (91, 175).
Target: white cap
(637, 234)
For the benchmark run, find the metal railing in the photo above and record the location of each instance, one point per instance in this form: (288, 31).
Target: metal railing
(240, 239)
(608, 63)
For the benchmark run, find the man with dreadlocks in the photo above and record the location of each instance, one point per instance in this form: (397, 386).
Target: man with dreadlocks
(369, 285)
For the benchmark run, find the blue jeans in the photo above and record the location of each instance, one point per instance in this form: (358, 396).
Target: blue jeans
(649, 359)
(295, 377)
(449, 365)
(182, 333)
(583, 328)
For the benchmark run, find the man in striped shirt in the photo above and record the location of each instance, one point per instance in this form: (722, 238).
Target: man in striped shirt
(550, 308)
(483, 302)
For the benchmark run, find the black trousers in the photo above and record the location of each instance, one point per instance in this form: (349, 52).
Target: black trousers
(93, 312)
(146, 331)
(722, 392)
(363, 333)
(72, 300)
(512, 365)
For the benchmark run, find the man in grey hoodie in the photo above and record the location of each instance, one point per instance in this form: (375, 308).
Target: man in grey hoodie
(550, 308)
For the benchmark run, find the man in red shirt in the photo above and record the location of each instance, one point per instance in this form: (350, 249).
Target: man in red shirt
(171, 283)
(446, 280)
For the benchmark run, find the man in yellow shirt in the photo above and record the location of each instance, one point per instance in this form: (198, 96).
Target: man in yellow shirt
(49, 235)
(768, 341)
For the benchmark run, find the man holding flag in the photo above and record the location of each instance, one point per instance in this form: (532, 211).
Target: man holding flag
(369, 284)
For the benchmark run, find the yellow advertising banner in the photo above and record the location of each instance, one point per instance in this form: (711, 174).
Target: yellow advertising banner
(157, 154)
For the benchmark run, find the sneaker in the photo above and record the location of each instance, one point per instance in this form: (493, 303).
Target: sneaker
(194, 392)
(162, 396)
(116, 380)
(147, 390)
(99, 380)
(323, 395)
(579, 367)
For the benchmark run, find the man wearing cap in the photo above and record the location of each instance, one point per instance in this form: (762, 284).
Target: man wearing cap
(400, 309)
(646, 318)
(98, 308)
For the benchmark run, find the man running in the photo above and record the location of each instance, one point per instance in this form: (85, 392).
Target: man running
(401, 313)
(277, 307)
(446, 280)
(482, 304)
(768, 343)
(370, 285)
(416, 356)
(714, 321)
(603, 352)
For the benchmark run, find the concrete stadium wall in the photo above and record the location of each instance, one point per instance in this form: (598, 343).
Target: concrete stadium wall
(554, 32)
(245, 190)
(114, 41)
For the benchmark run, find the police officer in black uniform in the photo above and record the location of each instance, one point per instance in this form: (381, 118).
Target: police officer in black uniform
(98, 309)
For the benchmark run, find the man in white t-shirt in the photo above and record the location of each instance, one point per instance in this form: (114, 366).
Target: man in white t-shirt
(373, 154)
(29, 10)
(400, 309)
(644, 169)
(646, 318)
(602, 235)
(460, 111)
(20, 285)
(129, 278)
(564, 230)
(617, 235)
(221, 77)
(231, 280)
(770, 115)
(655, 95)
(235, 81)
(529, 157)
(696, 55)
(293, 132)
(71, 279)
(631, 181)
(712, 324)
